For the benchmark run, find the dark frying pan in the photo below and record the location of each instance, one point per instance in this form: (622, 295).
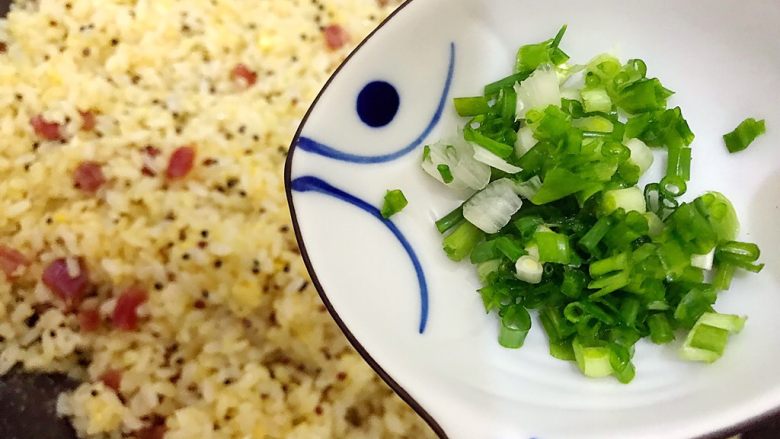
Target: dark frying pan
(28, 400)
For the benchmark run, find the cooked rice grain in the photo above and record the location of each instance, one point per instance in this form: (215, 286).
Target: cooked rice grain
(233, 341)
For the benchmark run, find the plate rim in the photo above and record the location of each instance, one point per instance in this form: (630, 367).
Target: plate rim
(722, 433)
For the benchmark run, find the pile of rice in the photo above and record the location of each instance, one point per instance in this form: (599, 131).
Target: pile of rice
(233, 341)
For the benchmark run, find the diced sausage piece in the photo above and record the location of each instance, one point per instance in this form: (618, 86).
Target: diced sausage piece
(12, 262)
(245, 74)
(125, 315)
(70, 288)
(112, 378)
(181, 162)
(87, 120)
(89, 320)
(46, 130)
(89, 177)
(335, 36)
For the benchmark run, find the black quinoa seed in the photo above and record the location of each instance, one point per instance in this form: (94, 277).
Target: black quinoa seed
(32, 320)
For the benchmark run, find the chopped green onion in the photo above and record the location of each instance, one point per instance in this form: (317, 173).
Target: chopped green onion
(446, 174)
(729, 322)
(509, 101)
(596, 100)
(679, 163)
(626, 375)
(509, 81)
(509, 248)
(740, 254)
(578, 311)
(660, 328)
(684, 165)
(462, 240)
(640, 257)
(471, 106)
(573, 283)
(596, 233)
(527, 225)
(529, 188)
(486, 268)
(485, 251)
(617, 151)
(528, 269)
(525, 141)
(515, 323)
(539, 91)
(500, 149)
(724, 272)
(654, 225)
(556, 42)
(553, 247)
(709, 338)
(629, 311)
(672, 186)
(644, 95)
(745, 133)
(617, 262)
(694, 303)
(609, 284)
(531, 56)
(594, 124)
(687, 352)
(558, 183)
(703, 261)
(395, 201)
(449, 221)
(466, 172)
(562, 351)
(593, 361)
(628, 199)
(661, 128)
(641, 155)
(493, 207)
(491, 296)
(720, 214)
(619, 357)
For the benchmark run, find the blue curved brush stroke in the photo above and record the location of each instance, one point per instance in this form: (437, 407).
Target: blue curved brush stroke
(314, 184)
(315, 147)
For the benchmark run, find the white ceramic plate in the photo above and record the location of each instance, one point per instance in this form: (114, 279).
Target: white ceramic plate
(414, 314)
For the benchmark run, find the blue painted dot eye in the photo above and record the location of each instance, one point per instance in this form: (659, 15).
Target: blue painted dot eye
(377, 103)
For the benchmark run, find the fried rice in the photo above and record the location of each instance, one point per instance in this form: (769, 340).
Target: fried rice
(144, 232)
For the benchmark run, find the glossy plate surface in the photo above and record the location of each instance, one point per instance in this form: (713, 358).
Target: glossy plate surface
(415, 315)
